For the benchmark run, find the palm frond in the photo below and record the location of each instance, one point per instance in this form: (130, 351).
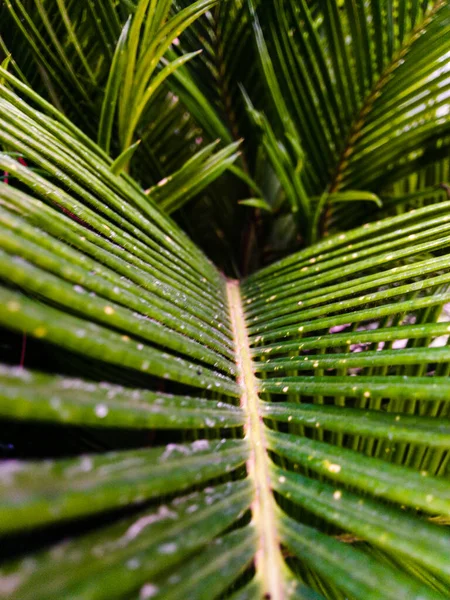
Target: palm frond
(125, 552)
(371, 418)
(78, 46)
(365, 89)
(348, 332)
(210, 86)
(286, 436)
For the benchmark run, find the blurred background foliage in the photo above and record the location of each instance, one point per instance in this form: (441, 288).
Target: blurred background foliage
(339, 110)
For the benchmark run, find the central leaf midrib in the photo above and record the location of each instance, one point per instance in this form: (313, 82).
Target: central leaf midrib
(268, 558)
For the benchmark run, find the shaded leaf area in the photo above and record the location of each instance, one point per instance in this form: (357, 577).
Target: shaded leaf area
(387, 114)
(210, 88)
(67, 40)
(350, 343)
(210, 85)
(384, 122)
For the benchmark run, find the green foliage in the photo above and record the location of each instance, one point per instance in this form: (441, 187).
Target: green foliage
(166, 432)
(328, 97)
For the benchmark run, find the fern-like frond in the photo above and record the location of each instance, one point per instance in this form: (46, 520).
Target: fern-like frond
(286, 436)
(365, 88)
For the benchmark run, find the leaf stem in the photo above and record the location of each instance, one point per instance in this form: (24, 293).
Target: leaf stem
(268, 558)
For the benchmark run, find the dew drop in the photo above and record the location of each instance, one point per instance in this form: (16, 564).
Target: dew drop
(148, 591)
(167, 548)
(101, 410)
(133, 564)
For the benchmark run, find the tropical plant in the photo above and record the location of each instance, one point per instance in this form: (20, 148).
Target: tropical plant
(278, 431)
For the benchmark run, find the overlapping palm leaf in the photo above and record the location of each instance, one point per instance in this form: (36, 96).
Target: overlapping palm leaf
(362, 89)
(94, 66)
(300, 419)
(355, 97)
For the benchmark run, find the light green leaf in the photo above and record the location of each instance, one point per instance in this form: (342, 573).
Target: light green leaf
(34, 396)
(122, 162)
(112, 90)
(354, 196)
(50, 491)
(256, 203)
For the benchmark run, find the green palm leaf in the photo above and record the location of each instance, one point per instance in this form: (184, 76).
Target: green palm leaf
(363, 89)
(356, 97)
(282, 436)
